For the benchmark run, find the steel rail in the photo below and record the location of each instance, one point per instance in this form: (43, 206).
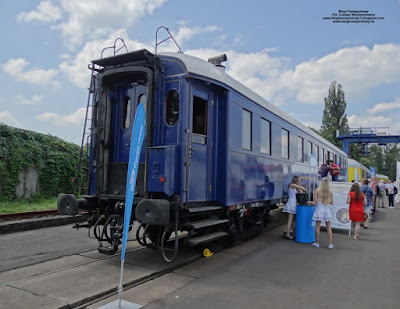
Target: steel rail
(28, 214)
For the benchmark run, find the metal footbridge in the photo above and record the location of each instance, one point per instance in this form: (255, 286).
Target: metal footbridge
(364, 136)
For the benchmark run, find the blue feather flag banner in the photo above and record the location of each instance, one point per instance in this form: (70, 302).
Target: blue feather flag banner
(138, 133)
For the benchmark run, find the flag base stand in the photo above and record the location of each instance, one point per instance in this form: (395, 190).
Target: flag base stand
(124, 305)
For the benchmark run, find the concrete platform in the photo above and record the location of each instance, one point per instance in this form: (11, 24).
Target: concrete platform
(73, 280)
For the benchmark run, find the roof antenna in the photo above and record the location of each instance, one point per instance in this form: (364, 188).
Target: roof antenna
(170, 37)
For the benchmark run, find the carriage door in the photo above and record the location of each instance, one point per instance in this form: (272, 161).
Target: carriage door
(199, 146)
(125, 98)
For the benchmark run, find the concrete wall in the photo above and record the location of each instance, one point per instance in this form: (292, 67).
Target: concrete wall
(28, 183)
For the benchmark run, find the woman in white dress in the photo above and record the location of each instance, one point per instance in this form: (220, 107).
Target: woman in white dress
(291, 204)
(324, 199)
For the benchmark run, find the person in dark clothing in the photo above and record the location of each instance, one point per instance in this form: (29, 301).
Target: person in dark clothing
(324, 170)
(334, 169)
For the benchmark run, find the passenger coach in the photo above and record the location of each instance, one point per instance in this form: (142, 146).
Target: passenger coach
(216, 158)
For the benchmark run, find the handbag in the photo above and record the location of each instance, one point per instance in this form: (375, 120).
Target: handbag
(302, 198)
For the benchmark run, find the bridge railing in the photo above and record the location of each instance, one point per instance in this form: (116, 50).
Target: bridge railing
(367, 131)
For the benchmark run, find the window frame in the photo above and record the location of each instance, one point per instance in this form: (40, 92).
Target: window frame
(167, 109)
(285, 148)
(126, 113)
(268, 146)
(300, 152)
(250, 131)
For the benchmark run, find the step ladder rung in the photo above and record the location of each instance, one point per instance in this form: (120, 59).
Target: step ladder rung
(205, 223)
(203, 209)
(205, 238)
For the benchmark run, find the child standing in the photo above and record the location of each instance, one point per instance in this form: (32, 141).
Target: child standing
(291, 204)
(324, 199)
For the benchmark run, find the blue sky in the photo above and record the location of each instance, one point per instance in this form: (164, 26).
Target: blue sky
(283, 50)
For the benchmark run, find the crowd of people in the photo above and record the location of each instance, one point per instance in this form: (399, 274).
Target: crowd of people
(363, 199)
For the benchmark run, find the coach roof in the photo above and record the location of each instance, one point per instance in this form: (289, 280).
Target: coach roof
(200, 67)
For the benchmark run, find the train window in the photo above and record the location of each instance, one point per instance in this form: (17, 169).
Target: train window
(321, 155)
(172, 107)
(265, 136)
(309, 151)
(342, 163)
(285, 144)
(246, 130)
(300, 149)
(126, 112)
(317, 154)
(143, 100)
(199, 116)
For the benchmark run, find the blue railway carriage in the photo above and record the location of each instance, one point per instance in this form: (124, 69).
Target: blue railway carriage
(216, 158)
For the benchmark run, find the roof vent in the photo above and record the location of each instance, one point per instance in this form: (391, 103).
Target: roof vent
(217, 60)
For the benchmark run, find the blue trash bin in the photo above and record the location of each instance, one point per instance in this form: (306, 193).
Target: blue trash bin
(305, 231)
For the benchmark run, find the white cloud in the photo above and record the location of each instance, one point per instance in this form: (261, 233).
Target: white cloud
(238, 39)
(312, 124)
(258, 71)
(46, 12)
(185, 33)
(181, 36)
(75, 68)
(357, 69)
(90, 18)
(357, 121)
(16, 68)
(8, 119)
(28, 101)
(384, 107)
(71, 120)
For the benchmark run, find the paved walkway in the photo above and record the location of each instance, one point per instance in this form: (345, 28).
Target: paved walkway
(273, 272)
(266, 272)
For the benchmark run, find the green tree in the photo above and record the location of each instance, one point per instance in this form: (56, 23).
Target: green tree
(376, 157)
(334, 114)
(391, 157)
(366, 162)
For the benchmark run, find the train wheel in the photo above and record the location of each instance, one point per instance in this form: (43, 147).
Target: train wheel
(147, 233)
(169, 248)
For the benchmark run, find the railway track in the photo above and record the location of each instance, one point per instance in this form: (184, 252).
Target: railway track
(28, 215)
(87, 268)
(92, 296)
(24, 221)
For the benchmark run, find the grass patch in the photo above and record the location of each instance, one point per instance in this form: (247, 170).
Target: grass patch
(28, 205)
